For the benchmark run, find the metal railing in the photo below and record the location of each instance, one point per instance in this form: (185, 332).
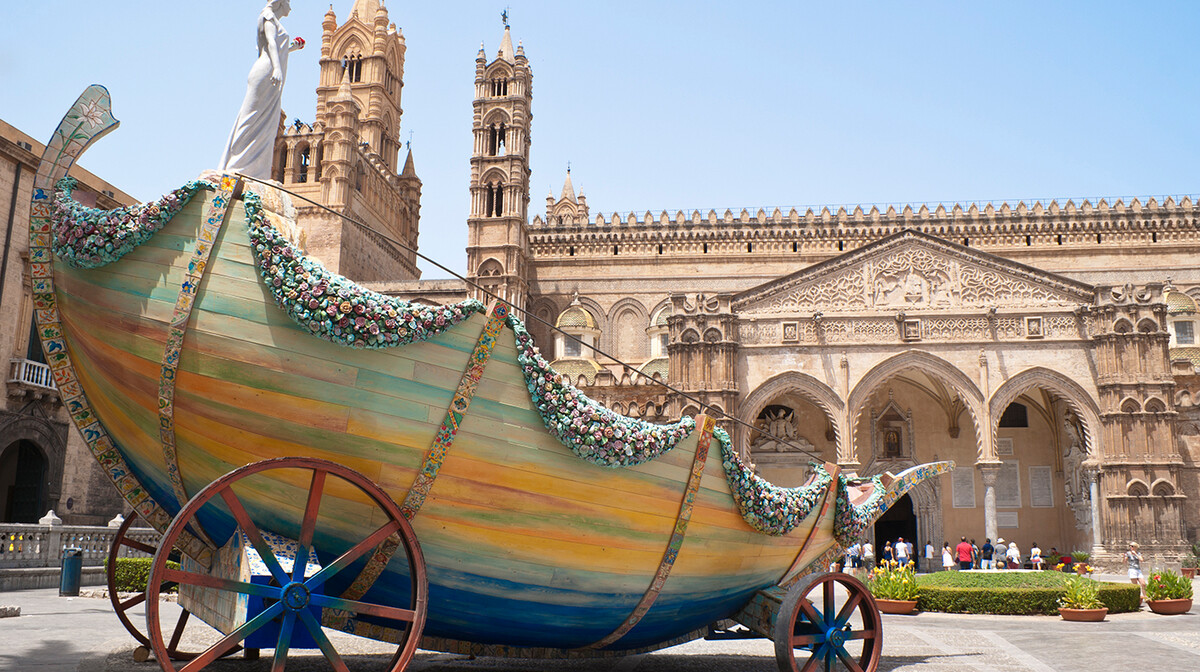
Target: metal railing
(25, 546)
(32, 373)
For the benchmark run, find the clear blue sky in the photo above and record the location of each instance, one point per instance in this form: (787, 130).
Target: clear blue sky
(665, 105)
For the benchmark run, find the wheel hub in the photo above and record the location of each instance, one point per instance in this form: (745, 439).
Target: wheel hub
(836, 637)
(295, 596)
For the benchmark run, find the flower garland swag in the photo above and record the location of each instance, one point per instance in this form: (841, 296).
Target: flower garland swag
(850, 521)
(769, 508)
(335, 308)
(93, 237)
(600, 436)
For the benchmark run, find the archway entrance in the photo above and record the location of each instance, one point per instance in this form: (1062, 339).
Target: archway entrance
(22, 483)
(899, 521)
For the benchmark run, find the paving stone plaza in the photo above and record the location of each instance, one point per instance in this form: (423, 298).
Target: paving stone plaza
(66, 634)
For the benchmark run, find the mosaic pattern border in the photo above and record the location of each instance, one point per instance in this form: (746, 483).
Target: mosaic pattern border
(89, 119)
(672, 553)
(215, 218)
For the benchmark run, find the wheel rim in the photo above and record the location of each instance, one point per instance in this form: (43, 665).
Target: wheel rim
(122, 607)
(815, 630)
(294, 593)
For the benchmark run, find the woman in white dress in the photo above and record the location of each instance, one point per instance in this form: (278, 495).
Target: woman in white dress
(251, 144)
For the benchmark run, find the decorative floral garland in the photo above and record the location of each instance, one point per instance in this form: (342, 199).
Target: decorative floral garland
(769, 508)
(593, 432)
(852, 521)
(335, 308)
(93, 237)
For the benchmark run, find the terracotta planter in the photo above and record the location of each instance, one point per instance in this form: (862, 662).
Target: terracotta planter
(896, 606)
(1170, 607)
(1189, 572)
(1083, 615)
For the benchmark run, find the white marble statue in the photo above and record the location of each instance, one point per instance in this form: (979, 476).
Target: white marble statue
(252, 142)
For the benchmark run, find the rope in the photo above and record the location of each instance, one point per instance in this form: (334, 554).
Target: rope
(530, 317)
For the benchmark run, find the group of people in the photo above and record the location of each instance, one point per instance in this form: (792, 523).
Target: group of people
(861, 555)
(1001, 555)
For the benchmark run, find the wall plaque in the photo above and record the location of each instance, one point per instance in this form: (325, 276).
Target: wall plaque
(1041, 487)
(1008, 485)
(1004, 446)
(962, 482)
(1006, 519)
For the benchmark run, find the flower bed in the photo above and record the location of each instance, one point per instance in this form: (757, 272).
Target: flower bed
(1012, 593)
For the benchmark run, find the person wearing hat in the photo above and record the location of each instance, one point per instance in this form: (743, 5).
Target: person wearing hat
(1134, 560)
(1000, 553)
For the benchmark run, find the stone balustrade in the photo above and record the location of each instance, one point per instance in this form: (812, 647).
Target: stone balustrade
(24, 546)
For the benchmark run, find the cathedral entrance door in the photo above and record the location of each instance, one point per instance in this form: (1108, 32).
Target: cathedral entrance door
(899, 521)
(22, 476)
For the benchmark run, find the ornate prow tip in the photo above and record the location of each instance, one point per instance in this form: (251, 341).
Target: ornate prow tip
(88, 120)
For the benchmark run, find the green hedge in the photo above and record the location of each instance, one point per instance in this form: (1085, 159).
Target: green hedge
(133, 573)
(1011, 593)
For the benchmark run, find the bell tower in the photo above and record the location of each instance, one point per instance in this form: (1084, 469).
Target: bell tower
(498, 237)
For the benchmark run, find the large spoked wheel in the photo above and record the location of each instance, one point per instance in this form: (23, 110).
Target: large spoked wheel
(122, 606)
(827, 622)
(289, 603)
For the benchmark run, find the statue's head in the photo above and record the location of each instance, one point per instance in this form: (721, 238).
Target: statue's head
(280, 8)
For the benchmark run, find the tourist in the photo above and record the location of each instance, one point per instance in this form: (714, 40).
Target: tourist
(901, 550)
(985, 554)
(1035, 557)
(1000, 554)
(868, 555)
(965, 553)
(974, 555)
(1014, 556)
(854, 560)
(887, 554)
(929, 556)
(1133, 559)
(947, 557)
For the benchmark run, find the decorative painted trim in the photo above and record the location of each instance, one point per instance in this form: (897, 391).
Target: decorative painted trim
(434, 458)
(707, 424)
(788, 578)
(93, 109)
(454, 415)
(215, 218)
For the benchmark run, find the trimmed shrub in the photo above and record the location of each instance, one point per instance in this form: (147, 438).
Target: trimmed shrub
(1018, 593)
(133, 573)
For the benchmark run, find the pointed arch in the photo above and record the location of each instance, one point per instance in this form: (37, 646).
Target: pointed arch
(933, 366)
(801, 384)
(1080, 401)
(627, 338)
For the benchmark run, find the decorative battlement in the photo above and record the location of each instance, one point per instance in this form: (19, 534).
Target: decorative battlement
(882, 214)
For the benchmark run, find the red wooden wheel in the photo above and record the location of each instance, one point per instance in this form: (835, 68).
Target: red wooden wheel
(122, 607)
(819, 629)
(290, 601)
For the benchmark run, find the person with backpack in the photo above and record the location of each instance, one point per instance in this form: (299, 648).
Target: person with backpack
(985, 554)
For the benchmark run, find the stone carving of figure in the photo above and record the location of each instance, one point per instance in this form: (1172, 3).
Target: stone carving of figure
(775, 425)
(251, 145)
(1075, 481)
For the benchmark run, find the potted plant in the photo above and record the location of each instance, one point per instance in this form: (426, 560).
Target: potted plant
(1082, 602)
(1191, 561)
(894, 587)
(1169, 593)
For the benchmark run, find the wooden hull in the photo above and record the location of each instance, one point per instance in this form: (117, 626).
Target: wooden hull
(527, 545)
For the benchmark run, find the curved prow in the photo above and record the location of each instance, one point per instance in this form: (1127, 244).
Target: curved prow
(896, 486)
(88, 120)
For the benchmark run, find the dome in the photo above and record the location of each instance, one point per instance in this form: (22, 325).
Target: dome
(574, 367)
(658, 365)
(1189, 354)
(660, 320)
(1180, 303)
(575, 316)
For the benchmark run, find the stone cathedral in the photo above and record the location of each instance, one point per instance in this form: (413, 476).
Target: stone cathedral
(1048, 348)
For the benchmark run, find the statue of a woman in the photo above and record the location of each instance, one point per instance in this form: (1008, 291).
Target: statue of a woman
(252, 142)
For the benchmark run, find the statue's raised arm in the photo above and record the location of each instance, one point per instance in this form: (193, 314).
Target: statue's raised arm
(252, 141)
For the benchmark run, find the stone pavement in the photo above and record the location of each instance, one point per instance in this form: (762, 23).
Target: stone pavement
(68, 634)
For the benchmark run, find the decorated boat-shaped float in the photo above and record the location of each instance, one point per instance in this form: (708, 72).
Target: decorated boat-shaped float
(327, 457)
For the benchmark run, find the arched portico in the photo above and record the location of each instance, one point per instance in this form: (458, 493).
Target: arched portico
(1072, 393)
(801, 384)
(928, 365)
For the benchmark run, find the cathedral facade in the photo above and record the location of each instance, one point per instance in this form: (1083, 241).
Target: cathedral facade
(1047, 348)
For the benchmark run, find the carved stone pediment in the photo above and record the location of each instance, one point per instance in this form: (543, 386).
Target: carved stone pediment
(914, 271)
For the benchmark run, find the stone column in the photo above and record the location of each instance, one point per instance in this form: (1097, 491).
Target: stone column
(1093, 479)
(990, 471)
